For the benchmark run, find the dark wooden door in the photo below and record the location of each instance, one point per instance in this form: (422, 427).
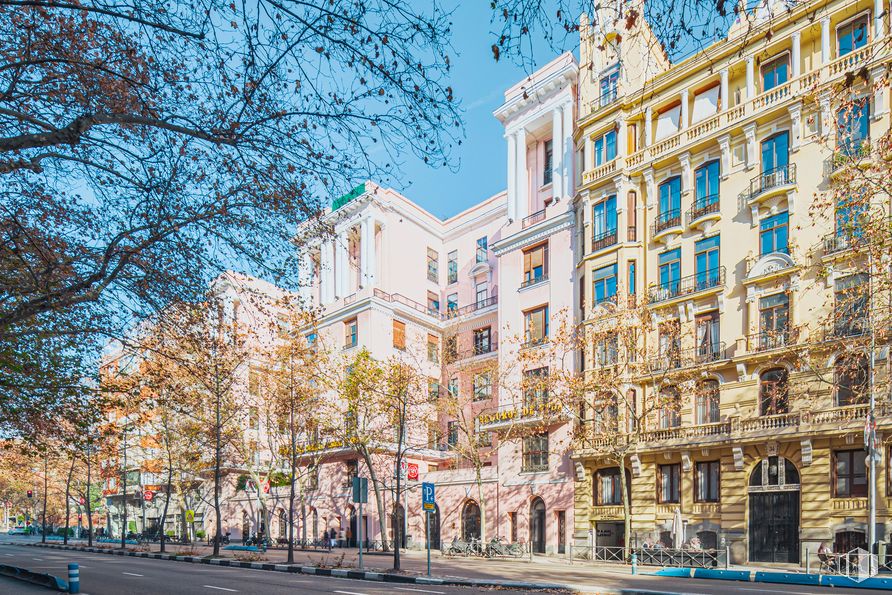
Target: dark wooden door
(774, 527)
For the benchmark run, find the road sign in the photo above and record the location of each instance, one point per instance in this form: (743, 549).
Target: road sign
(148, 495)
(427, 497)
(266, 487)
(412, 471)
(361, 490)
(190, 516)
(82, 501)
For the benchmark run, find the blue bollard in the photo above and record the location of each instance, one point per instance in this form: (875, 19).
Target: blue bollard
(634, 563)
(74, 578)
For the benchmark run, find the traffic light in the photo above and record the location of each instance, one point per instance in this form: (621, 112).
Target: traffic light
(30, 494)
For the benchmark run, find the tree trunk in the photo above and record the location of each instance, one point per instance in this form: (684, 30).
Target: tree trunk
(46, 470)
(379, 497)
(89, 504)
(293, 478)
(397, 521)
(217, 457)
(482, 498)
(169, 486)
(627, 509)
(68, 500)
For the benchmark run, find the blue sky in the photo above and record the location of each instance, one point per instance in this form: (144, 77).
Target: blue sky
(479, 83)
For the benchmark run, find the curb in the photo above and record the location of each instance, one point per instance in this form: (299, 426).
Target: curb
(354, 574)
(783, 578)
(36, 578)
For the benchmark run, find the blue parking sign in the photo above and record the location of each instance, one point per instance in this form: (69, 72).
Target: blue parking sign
(427, 497)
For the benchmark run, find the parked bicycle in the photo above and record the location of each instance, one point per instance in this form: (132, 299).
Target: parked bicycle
(496, 547)
(222, 540)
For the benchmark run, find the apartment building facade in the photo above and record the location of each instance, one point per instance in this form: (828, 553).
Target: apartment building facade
(697, 192)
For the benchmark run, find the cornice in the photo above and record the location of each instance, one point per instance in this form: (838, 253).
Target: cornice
(531, 235)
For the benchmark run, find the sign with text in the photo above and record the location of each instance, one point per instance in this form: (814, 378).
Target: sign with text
(428, 503)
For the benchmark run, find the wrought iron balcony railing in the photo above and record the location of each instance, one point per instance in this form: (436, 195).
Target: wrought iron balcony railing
(532, 219)
(665, 221)
(534, 280)
(847, 325)
(773, 178)
(704, 206)
(771, 339)
(478, 305)
(603, 240)
(687, 285)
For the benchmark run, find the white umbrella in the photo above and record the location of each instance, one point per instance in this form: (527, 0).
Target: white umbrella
(677, 530)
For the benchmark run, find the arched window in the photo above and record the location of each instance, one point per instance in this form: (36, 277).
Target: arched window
(470, 521)
(852, 378)
(774, 392)
(708, 402)
(774, 471)
(670, 407)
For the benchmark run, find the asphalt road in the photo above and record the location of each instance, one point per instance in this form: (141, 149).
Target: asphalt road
(102, 574)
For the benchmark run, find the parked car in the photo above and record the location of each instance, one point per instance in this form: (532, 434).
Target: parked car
(20, 530)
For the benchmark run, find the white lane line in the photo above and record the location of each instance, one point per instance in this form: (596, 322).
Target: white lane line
(419, 590)
(349, 593)
(775, 591)
(131, 574)
(220, 588)
(38, 559)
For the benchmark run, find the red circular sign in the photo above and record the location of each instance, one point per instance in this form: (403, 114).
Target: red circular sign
(147, 496)
(412, 472)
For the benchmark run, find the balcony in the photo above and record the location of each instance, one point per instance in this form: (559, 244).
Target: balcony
(604, 240)
(478, 305)
(632, 233)
(665, 222)
(409, 303)
(771, 182)
(684, 358)
(529, 343)
(835, 243)
(846, 326)
(770, 340)
(532, 219)
(686, 286)
(704, 209)
(854, 154)
(534, 281)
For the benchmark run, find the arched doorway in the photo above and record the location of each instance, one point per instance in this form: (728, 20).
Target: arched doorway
(315, 524)
(537, 525)
(774, 511)
(351, 539)
(246, 525)
(470, 521)
(434, 524)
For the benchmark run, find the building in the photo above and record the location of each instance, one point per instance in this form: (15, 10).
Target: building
(697, 194)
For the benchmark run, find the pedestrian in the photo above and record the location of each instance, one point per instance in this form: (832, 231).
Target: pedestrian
(349, 537)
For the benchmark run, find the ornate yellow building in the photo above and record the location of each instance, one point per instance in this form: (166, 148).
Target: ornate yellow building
(697, 196)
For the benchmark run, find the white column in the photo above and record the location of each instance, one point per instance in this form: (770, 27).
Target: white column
(726, 97)
(372, 254)
(622, 141)
(878, 26)
(523, 184)
(342, 264)
(589, 153)
(364, 252)
(557, 152)
(648, 124)
(326, 273)
(825, 40)
(568, 185)
(750, 79)
(795, 125)
(512, 175)
(685, 114)
(795, 58)
(749, 132)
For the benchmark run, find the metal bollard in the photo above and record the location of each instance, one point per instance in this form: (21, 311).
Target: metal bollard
(634, 563)
(74, 578)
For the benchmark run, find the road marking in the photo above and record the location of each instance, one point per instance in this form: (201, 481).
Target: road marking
(419, 590)
(131, 574)
(349, 593)
(775, 591)
(220, 588)
(38, 559)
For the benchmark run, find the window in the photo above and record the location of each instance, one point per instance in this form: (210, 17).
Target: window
(535, 453)
(548, 161)
(669, 479)
(852, 305)
(632, 277)
(433, 389)
(605, 148)
(670, 408)
(482, 386)
(433, 303)
(450, 349)
(433, 265)
(604, 285)
(774, 72)
(774, 392)
(609, 85)
(709, 346)
(311, 340)
(482, 340)
(706, 481)
(775, 158)
(604, 223)
(253, 418)
(535, 264)
(452, 267)
(480, 294)
(670, 345)
(351, 471)
(535, 324)
(399, 334)
(852, 380)
(451, 304)
(774, 234)
(482, 247)
(850, 215)
(452, 387)
(852, 36)
(706, 186)
(535, 387)
(351, 333)
(607, 350)
(670, 203)
(853, 126)
(706, 259)
(433, 349)
(483, 437)
(670, 272)
(850, 473)
(608, 489)
(452, 433)
(708, 402)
